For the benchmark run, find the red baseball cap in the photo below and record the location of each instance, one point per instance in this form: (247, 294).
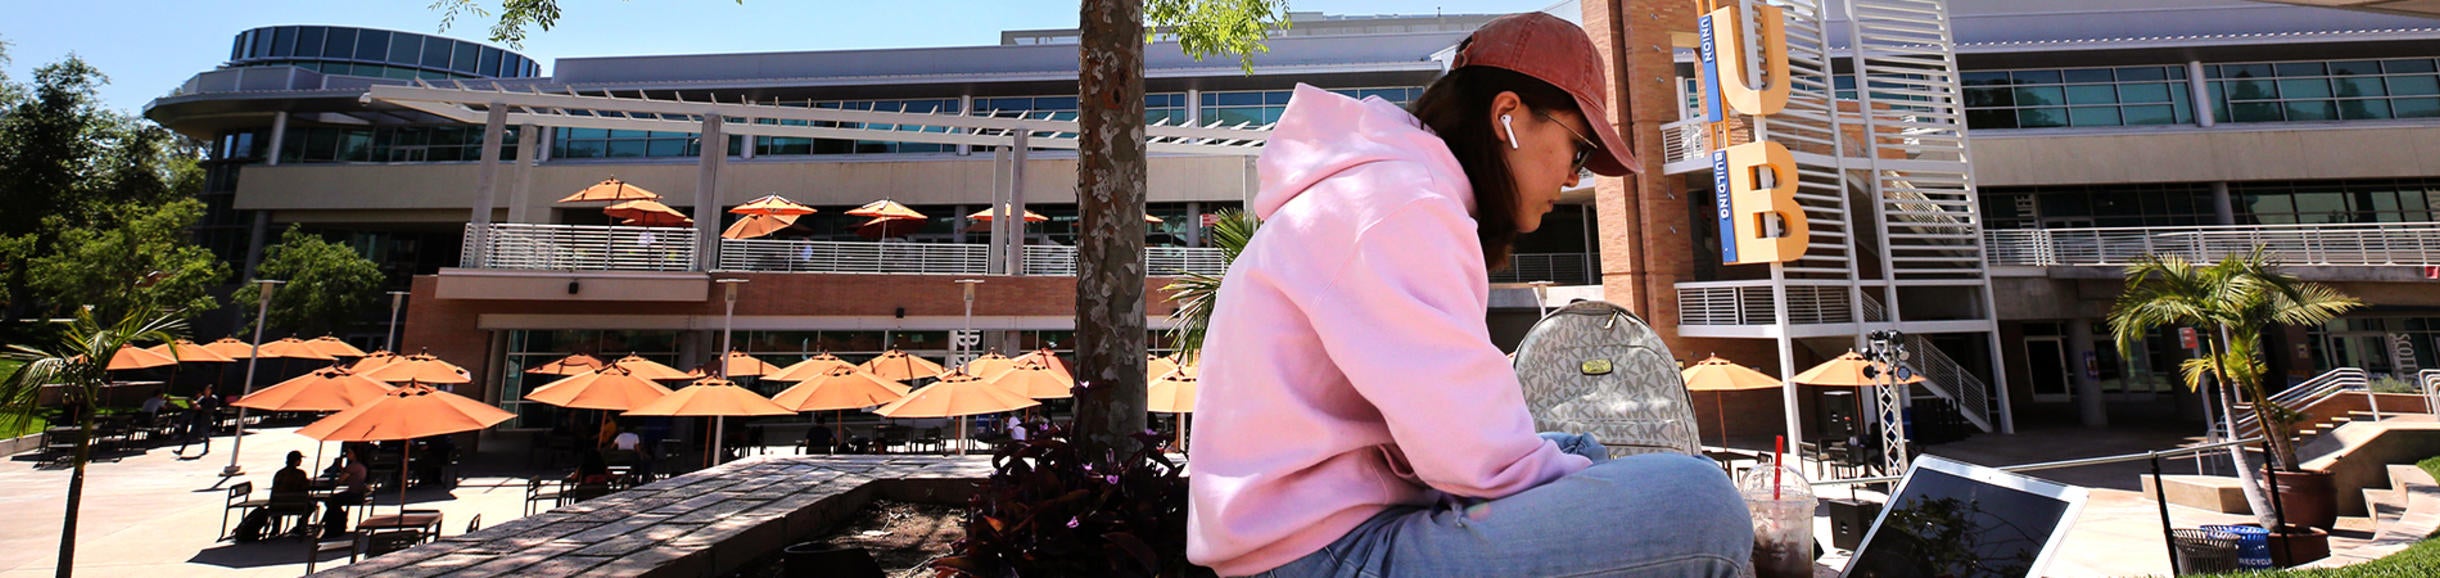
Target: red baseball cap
(1552, 50)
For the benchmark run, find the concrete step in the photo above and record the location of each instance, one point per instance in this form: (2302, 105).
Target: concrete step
(2225, 494)
(2402, 474)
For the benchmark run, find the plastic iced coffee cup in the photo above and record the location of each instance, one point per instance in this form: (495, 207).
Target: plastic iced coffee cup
(1782, 511)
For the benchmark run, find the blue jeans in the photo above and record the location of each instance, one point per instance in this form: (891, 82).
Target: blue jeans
(1644, 515)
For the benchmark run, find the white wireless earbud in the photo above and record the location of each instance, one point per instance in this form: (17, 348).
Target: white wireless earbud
(1507, 124)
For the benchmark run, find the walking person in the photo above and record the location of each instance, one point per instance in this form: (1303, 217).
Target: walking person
(202, 416)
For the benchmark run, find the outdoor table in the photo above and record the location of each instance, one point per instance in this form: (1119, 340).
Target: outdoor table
(429, 523)
(1729, 459)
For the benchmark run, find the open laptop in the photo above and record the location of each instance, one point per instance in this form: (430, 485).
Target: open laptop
(1951, 518)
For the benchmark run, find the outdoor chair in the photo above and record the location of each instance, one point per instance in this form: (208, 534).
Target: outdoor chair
(287, 508)
(584, 492)
(240, 499)
(391, 541)
(898, 437)
(932, 439)
(353, 545)
(474, 523)
(60, 442)
(536, 491)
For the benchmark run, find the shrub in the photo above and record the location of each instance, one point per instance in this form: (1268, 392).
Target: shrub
(1049, 511)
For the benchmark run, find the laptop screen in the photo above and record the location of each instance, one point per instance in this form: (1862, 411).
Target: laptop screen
(1956, 519)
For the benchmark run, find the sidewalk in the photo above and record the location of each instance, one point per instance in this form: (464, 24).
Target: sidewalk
(156, 515)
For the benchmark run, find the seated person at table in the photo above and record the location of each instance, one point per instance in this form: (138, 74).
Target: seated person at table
(818, 438)
(289, 484)
(152, 405)
(352, 489)
(592, 470)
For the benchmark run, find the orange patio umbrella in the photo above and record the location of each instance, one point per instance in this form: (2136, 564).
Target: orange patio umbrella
(372, 361)
(957, 394)
(1155, 367)
(755, 226)
(886, 209)
(647, 213)
(420, 368)
(842, 387)
(986, 215)
(1048, 359)
(886, 227)
(1031, 379)
(1174, 392)
(610, 387)
(1720, 376)
(714, 398)
(649, 369)
(326, 389)
(129, 358)
(738, 364)
(293, 348)
(773, 205)
(332, 346)
(412, 411)
(896, 365)
(990, 364)
(809, 368)
(189, 352)
(231, 348)
(573, 364)
(611, 189)
(1847, 371)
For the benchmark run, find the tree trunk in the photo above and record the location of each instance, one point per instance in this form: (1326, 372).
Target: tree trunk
(2255, 496)
(76, 490)
(1110, 339)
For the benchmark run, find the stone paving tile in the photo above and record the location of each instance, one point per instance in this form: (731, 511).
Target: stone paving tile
(706, 523)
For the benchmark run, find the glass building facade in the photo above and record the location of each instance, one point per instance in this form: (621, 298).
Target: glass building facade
(2249, 92)
(2190, 204)
(375, 53)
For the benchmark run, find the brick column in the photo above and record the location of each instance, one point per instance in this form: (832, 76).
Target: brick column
(1645, 245)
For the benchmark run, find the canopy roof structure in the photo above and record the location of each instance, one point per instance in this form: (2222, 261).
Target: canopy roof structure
(470, 101)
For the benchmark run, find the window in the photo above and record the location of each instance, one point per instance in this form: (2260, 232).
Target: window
(2132, 205)
(284, 42)
(2325, 90)
(2336, 201)
(309, 42)
(261, 44)
(462, 61)
(372, 44)
(488, 63)
(2064, 97)
(404, 48)
(436, 53)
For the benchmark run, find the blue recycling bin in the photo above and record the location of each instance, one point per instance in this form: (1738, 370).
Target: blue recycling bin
(2253, 545)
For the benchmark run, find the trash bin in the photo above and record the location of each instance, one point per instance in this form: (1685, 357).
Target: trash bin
(2253, 545)
(2201, 551)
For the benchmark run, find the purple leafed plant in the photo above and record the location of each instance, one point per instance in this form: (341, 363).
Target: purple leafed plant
(1048, 510)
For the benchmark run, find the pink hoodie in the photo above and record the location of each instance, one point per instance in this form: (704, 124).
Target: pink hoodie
(1348, 367)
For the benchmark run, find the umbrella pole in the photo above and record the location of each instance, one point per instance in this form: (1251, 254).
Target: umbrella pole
(719, 427)
(838, 428)
(406, 467)
(961, 435)
(1719, 411)
(1181, 433)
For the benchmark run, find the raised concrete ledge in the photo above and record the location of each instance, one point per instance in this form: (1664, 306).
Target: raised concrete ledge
(708, 523)
(2224, 494)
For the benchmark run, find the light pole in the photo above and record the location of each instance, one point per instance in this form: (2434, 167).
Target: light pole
(968, 354)
(398, 299)
(1887, 351)
(1541, 296)
(720, 363)
(262, 307)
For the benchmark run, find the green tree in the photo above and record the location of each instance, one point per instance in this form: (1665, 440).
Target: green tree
(145, 259)
(1110, 170)
(1198, 293)
(328, 284)
(71, 167)
(77, 357)
(2231, 303)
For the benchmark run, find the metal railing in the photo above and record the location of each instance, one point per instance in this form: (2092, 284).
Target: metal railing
(2304, 396)
(1559, 268)
(2348, 244)
(1972, 395)
(607, 248)
(2074, 463)
(1683, 141)
(791, 256)
(578, 247)
(1700, 304)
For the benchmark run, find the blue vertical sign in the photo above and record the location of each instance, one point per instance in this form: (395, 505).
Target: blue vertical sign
(1719, 198)
(1713, 109)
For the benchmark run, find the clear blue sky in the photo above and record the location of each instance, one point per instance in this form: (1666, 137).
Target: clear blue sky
(148, 47)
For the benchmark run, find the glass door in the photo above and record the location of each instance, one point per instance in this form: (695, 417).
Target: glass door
(2046, 358)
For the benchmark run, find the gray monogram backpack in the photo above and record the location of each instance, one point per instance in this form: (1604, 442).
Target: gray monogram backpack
(1592, 367)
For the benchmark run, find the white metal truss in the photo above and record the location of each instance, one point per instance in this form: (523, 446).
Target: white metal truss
(470, 102)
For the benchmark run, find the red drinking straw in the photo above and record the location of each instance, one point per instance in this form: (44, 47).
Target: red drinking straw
(1779, 457)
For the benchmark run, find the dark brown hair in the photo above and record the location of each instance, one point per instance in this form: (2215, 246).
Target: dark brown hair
(1458, 108)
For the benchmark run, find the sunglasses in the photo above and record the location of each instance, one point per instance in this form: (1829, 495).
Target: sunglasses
(1584, 153)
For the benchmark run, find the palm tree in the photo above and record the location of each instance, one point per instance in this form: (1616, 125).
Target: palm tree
(1197, 293)
(78, 358)
(2234, 300)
